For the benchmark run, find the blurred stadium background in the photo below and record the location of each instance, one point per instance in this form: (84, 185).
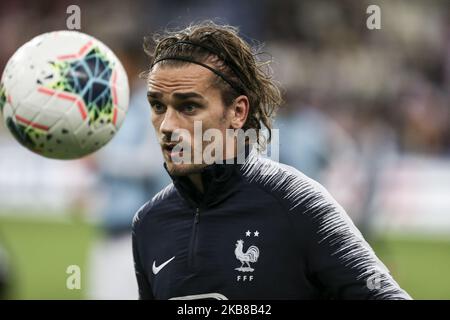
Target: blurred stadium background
(367, 114)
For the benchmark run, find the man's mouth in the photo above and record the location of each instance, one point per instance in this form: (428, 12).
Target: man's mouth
(168, 150)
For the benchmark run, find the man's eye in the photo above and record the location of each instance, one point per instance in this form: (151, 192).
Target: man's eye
(158, 108)
(189, 108)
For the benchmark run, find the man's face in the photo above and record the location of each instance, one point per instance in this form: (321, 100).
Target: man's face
(180, 96)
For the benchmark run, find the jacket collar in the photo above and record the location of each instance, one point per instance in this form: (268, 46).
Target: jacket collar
(220, 181)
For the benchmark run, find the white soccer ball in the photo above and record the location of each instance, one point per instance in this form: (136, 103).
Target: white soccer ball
(64, 94)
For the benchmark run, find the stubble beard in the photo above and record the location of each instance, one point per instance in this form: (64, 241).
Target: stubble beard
(184, 169)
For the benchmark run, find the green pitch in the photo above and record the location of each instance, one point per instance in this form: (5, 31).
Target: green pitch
(41, 251)
(420, 264)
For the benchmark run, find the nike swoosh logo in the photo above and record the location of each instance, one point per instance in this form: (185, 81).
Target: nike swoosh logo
(157, 269)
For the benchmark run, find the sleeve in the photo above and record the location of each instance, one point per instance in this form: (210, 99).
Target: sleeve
(145, 291)
(340, 261)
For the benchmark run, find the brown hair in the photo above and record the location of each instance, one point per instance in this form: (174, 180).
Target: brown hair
(236, 60)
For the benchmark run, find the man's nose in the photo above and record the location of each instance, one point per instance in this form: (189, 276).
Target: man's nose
(170, 122)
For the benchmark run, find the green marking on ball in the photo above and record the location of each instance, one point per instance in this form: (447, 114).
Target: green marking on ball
(89, 78)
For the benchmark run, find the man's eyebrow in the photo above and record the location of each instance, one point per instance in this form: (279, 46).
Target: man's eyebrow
(187, 95)
(154, 94)
(176, 95)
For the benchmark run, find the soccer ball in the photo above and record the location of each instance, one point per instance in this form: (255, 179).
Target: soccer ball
(64, 94)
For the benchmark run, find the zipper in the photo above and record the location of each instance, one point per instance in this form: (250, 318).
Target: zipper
(193, 243)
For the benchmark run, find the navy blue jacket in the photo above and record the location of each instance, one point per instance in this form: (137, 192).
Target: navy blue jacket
(261, 230)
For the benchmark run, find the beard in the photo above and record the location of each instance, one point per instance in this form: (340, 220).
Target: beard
(184, 169)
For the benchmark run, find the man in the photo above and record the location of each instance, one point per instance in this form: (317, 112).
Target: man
(251, 230)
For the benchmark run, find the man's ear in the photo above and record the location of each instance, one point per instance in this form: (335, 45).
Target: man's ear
(239, 112)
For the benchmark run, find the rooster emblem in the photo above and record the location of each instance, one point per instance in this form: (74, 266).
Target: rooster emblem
(251, 255)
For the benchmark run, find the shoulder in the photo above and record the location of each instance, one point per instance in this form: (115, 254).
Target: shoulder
(150, 206)
(273, 174)
(292, 187)
(303, 198)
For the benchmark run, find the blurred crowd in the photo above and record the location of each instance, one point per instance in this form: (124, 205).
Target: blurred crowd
(370, 108)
